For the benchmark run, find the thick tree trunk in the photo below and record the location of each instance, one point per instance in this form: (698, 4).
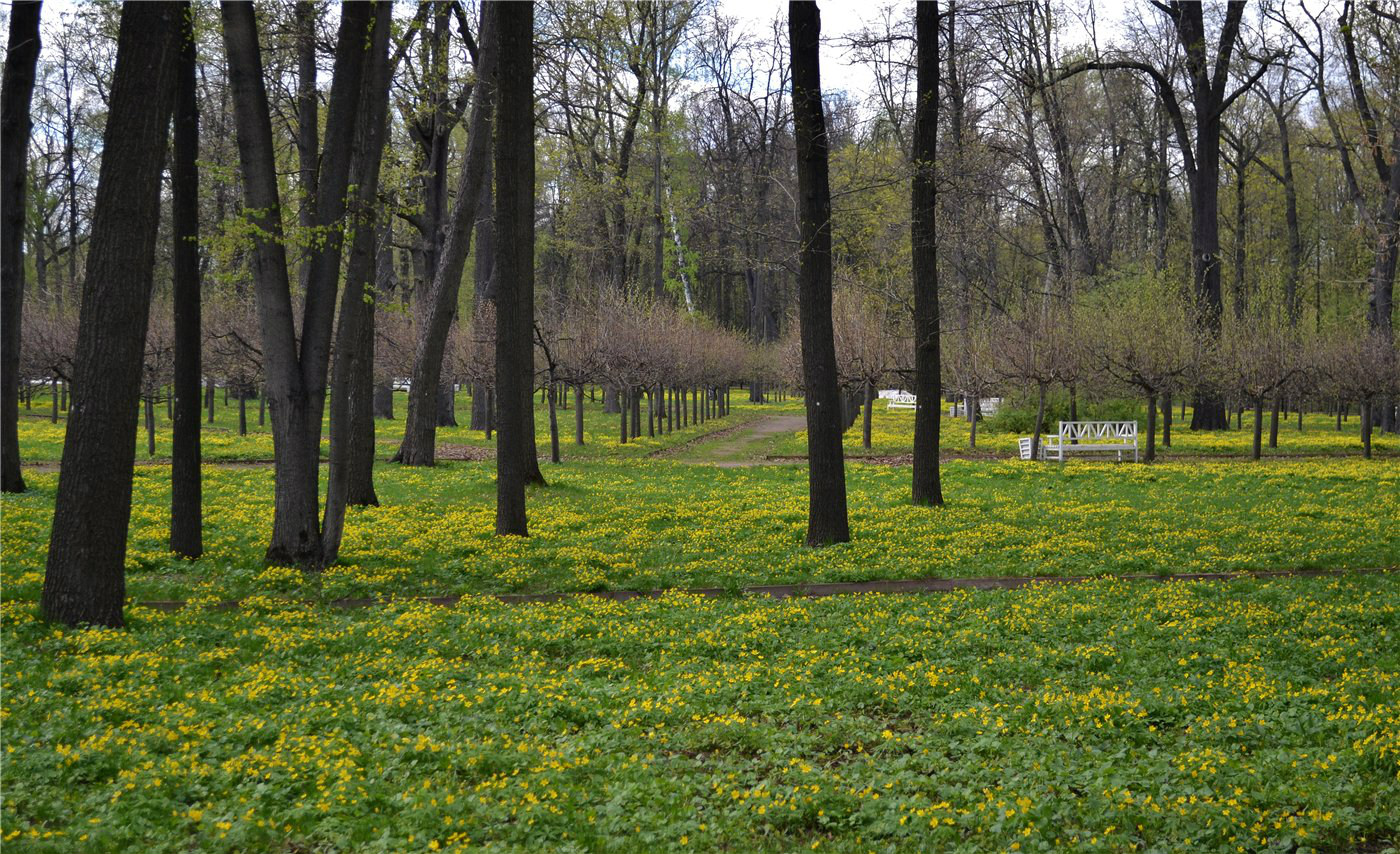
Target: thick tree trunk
(928, 388)
(186, 485)
(85, 580)
(296, 366)
(827, 521)
(515, 262)
(419, 446)
(1167, 420)
(308, 122)
(384, 401)
(16, 93)
(361, 492)
(447, 405)
(352, 434)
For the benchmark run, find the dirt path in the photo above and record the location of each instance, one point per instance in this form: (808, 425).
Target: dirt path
(812, 590)
(742, 445)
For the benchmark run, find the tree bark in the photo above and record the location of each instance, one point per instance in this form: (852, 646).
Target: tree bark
(578, 414)
(1039, 423)
(928, 387)
(352, 375)
(827, 521)
(296, 367)
(1258, 427)
(186, 485)
(419, 447)
(16, 93)
(1151, 455)
(308, 120)
(85, 580)
(515, 263)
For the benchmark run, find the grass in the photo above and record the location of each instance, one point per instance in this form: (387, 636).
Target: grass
(1112, 716)
(654, 523)
(42, 441)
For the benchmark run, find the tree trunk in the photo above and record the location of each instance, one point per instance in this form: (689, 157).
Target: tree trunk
(419, 446)
(53, 400)
(1151, 455)
(1167, 420)
(16, 93)
(186, 485)
(1366, 429)
(296, 367)
(827, 520)
(1273, 419)
(447, 405)
(515, 263)
(384, 402)
(867, 405)
(85, 580)
(928, 387)
(622, 417)
(974, 415)
(1039, 423)
(1258, 426)
(242, 412)
(578, 414)
(150, 405)
(352, 422)
(553, 422)
(308, 121)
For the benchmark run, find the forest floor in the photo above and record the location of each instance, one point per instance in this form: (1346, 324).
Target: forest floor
(1110, 714)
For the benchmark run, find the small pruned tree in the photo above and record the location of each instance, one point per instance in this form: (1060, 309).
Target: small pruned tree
(1147, 345)
(1360, 365)
(1040, 349)
(1258, 356)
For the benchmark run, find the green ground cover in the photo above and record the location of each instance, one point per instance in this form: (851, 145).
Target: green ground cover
(42, 441)
(1112, 716)
(656, 522)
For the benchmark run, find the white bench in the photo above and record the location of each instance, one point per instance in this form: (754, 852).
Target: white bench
(985, 406)
(1086, 437)
(903, 400)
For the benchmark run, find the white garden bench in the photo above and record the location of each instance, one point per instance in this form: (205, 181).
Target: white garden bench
(985, 406)
(902, 400)
(1086, 437)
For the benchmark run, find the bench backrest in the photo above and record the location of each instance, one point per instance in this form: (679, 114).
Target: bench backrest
(1083, 431)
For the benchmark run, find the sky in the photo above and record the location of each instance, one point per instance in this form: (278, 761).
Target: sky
(845, 17)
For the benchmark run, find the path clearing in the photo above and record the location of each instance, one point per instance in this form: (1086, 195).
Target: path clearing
(742, 445)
